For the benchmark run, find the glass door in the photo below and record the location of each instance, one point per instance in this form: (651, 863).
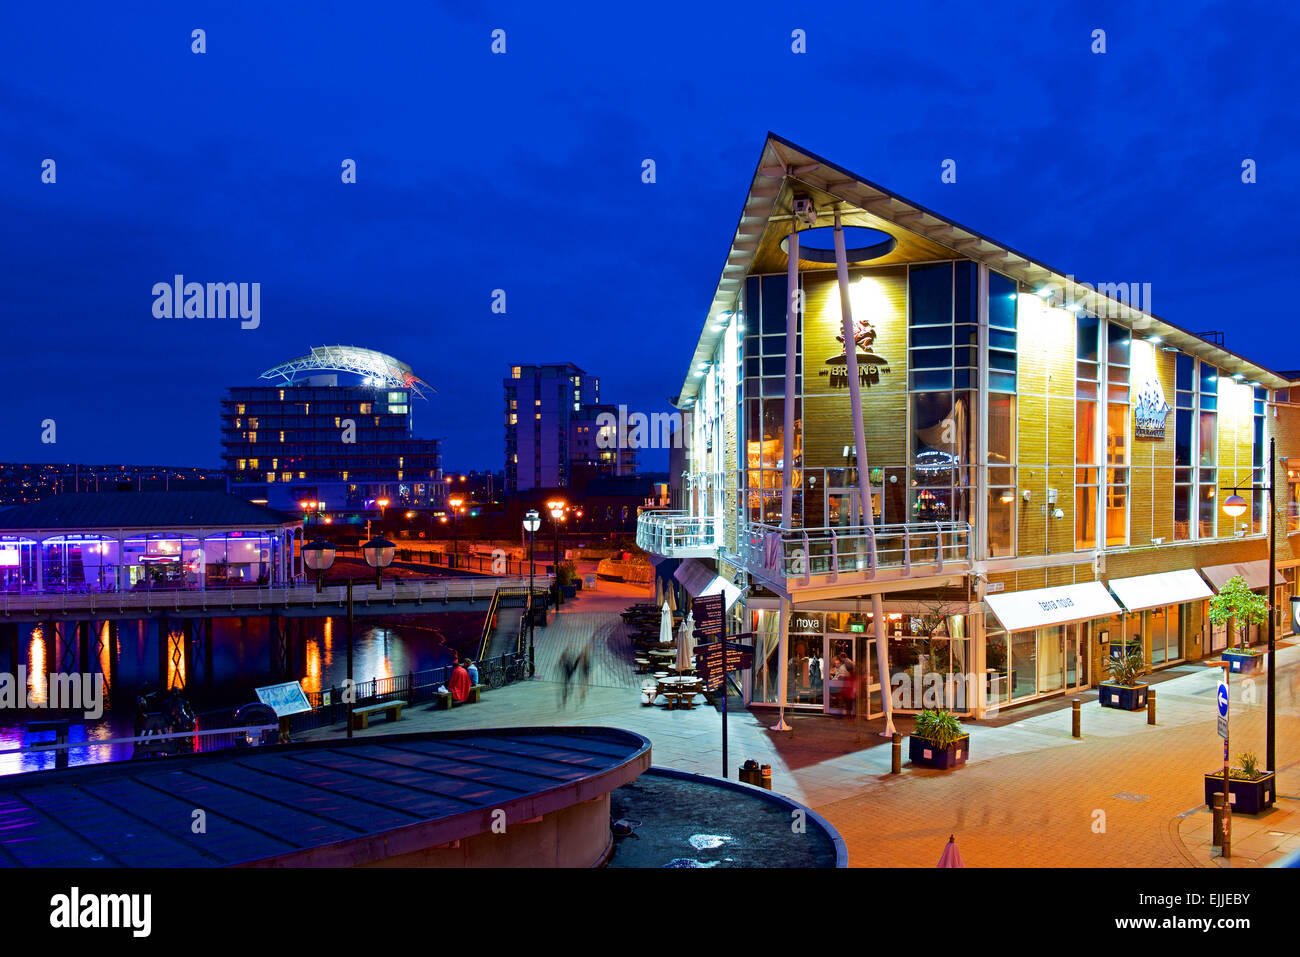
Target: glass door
(850, 668)
(1077, 643)
(842, 507)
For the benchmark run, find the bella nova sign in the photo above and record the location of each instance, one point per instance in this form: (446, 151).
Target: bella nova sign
(1150, 411)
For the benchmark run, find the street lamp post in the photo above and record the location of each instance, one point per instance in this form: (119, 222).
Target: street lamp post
(379, 553)
(319, 557)
(556, 508)
(532, 522)
(1234, 505)
(455, 502)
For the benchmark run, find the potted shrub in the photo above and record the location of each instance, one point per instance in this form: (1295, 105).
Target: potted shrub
(1236, 603)
(567, 575)
(938, 740)
(1124, 690)
(1250, 790)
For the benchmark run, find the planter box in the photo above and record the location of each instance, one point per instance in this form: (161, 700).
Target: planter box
(1118, 696)
(570, 591)
(924, 754)
(1243, 662)
(1245, 797)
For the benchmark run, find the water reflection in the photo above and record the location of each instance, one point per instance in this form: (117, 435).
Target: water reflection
(223, 676)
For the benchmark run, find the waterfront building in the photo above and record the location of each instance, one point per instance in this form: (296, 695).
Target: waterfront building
(130, 541)
(336, 426)
(1042, 460)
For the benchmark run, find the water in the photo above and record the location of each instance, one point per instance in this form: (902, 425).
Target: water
(241, 661)
(691, 824)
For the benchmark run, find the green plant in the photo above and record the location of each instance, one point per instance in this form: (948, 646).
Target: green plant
(566, 573)
(941, 728)
(1126, 669)
(1235, 602)
(1249, 764)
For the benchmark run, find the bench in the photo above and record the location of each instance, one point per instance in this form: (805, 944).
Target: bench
(361, 716)
(446, 701)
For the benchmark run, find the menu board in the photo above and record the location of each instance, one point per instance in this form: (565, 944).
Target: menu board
(710, 666)
(709, 623)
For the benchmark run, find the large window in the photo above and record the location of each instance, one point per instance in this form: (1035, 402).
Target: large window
(764, 390)
(1208, 446)
(1087, 388)
(943, 357)
(1184, 412)
(1118, 346)
(1002, 416)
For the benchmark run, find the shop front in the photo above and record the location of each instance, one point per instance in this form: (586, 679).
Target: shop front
(833, 658)
(1037, 642)
(1256, 576)
(1161, 614)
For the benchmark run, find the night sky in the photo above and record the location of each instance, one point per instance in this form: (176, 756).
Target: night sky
(522, 172)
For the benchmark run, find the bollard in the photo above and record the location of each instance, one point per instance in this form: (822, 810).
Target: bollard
(1151, 706)
(897, 766)
(1216, 812)
(1076, 719)
(766, 772)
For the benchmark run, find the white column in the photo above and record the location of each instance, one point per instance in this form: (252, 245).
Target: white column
(882, 660)
(782, 663)
(855, 386)
(791, 342)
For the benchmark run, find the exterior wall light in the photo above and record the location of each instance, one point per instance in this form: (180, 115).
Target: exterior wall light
(1234, 505)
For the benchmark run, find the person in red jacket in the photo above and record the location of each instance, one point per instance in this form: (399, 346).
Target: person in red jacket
(458, 684)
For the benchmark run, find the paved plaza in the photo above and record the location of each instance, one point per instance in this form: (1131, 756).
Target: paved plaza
(1126, 794)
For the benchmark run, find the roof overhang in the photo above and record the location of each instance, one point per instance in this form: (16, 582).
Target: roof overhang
(783, 167)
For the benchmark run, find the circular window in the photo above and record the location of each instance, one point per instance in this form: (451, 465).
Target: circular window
(861, 244)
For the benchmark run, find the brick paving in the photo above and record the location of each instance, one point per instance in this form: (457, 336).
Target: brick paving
(1126, 794)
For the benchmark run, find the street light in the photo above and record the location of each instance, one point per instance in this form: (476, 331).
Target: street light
(455, 502)
(319, 556)
(556, 507)
(1235, 506)
(532, 522)
(379, 553)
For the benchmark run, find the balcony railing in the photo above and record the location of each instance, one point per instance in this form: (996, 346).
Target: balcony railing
(850, 554)
(675, 534)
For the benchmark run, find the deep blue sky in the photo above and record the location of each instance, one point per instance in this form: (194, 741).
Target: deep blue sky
(479, 171)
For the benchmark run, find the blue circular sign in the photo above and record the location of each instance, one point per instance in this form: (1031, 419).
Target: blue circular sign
(1223, 700)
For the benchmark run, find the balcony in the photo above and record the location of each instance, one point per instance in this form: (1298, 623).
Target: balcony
(676, 534)
(847, 560)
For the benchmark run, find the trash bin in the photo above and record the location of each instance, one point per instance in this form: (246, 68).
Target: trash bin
(749, 773)
(766, 776)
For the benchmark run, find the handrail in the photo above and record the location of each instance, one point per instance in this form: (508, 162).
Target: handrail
(186, 599)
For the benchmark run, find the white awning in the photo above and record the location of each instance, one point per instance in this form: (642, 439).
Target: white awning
(1022, 610)
(1255, 573)
(699, 580)
(1153, 591)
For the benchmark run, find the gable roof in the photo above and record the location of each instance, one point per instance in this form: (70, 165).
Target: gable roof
(783, 165)
(183, 509)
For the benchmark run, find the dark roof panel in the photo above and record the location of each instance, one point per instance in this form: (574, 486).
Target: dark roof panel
(87, 510)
